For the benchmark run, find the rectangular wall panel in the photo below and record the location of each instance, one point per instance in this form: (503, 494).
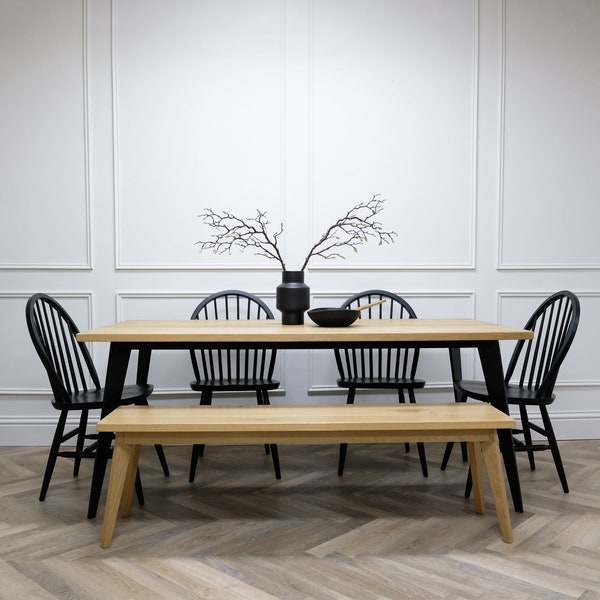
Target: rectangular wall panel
(198, 109)
(43, 124)
(394, 112)
(550, 188)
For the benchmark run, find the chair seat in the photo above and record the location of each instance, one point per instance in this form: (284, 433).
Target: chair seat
(381, 382)
(92, 399)
(514, 394)
(234, 385)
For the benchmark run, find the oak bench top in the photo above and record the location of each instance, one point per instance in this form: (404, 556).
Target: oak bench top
(322, 417)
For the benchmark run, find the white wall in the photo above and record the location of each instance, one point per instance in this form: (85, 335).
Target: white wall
(120, 122)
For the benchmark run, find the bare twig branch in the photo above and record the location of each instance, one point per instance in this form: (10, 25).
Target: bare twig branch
(234, 232)
(352, 230)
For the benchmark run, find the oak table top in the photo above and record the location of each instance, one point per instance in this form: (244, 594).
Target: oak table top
(272, 331)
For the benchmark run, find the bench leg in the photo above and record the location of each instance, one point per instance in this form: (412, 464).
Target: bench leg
(493, 465)
(123, 464)
(130, 481)
(476, 467)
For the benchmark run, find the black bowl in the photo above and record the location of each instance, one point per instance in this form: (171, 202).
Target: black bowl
(333, 317)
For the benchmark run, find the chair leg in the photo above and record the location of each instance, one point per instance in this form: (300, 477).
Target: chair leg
(554, 448)
(448, 451)
(138, 488)
(198, 449)
(275, 457)
(420, 445)
(162, 459)
(527, 435)
(80, 441)
(464, 451)
(262, 397)
(53, 454)
(402, 400)
(421, 450)
(344, 447)
(468, 484)
(446, 457)
(342, 459)
(194, 462)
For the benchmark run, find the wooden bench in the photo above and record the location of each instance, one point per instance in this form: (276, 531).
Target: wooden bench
(475, 423)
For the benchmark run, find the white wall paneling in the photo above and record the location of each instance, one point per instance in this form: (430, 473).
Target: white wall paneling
(121, 120)
(549, 209)
(198, 105)
(394, 111)
(44, 186)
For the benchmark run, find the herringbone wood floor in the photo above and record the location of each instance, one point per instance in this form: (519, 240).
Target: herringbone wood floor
(381, 531)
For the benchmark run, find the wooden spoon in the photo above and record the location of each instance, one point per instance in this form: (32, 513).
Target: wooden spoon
(369, 305)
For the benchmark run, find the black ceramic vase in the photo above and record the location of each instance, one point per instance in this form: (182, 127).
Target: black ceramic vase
(293, 297)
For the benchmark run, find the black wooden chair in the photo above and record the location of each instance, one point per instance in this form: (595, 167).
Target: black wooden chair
(74, 382)
(379, 368)
(233, 369)
(531, 376)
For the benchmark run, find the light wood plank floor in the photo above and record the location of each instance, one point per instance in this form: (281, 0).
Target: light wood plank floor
(381, 531)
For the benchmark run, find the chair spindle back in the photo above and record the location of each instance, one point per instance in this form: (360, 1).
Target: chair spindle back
(228, 363)
(397, 363)
(67, 362)
(535, 363)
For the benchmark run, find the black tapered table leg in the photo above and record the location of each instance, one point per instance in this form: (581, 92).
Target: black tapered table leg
(116, 370)
(491, 363)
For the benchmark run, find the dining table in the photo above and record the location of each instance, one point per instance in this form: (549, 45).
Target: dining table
(145, 336)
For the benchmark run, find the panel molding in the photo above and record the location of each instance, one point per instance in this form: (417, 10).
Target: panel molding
(470, 263)
(87, 264)
(502, 265)
(120, 265)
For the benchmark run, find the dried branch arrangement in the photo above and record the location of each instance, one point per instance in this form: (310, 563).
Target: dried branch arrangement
(351, 230)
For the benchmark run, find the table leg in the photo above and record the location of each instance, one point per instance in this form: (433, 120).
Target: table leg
(143, 365)
(491, 363)
(456, 370)
(118, 359)
(493, 466)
